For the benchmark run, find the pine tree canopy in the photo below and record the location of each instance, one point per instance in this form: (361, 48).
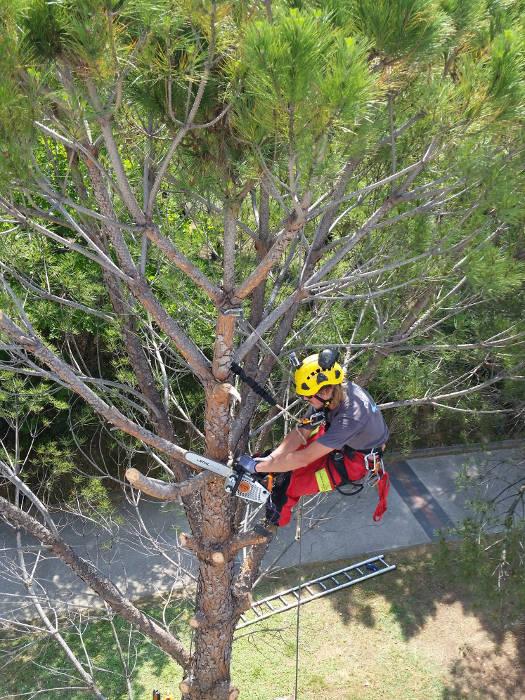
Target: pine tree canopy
(191, 109)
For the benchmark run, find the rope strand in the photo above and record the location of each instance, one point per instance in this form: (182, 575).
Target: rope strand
(298, 537)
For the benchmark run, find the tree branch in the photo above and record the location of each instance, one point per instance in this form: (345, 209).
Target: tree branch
(66, 374)
(189, 119)
(38, 291)
(183, 263)
(162, 490)
(268, 322)
(294, 224)
(102, 586)
(451, 395)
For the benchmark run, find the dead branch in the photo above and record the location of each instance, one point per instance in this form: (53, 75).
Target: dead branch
(102, 586)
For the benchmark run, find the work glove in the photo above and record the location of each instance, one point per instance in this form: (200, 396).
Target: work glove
(248, 463)
(266, 460)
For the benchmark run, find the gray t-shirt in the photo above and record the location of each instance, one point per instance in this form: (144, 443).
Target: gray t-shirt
(356, 422)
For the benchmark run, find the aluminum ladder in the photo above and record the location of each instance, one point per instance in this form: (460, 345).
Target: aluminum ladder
(316, 588)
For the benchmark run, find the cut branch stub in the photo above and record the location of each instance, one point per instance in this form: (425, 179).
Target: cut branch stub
(198, 620)
(185, 686)
(162, 490)
(215, 557)
(249, 539)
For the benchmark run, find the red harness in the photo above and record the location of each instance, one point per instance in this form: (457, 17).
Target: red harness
(318, 476)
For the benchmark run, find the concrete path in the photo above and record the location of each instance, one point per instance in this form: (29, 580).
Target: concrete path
(423, 499)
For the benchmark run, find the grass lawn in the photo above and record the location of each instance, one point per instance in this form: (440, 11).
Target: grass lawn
(419, 633)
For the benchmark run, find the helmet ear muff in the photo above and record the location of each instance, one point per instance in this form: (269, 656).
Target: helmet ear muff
(327, 358)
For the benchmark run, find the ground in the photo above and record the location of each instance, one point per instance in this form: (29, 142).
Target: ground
(411, 635)
(419, 633)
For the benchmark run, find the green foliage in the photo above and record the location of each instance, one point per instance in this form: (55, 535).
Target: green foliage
(491, 82)
(80, 31)
(299, 75)
(507, 65)
(16, 100)
(402, 29)
(495, 273)
(317, 82)
(19, 399)
(45, 30)
(93, 496)
(466, 15)
(56, 459)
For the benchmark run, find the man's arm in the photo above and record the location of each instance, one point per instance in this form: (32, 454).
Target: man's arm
(280, 461)
(293, 441)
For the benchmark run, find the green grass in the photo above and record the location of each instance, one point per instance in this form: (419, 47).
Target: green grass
(402, 635)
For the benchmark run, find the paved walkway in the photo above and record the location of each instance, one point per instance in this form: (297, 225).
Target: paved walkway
(423, 499)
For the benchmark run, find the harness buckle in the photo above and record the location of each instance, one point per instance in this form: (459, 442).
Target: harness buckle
(374, 462)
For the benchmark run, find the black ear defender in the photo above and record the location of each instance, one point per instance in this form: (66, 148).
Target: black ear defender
(328, 358)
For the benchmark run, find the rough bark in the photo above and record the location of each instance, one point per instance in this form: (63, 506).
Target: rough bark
(209, 677)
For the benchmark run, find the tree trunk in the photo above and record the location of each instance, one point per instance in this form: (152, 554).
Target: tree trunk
(215, 617)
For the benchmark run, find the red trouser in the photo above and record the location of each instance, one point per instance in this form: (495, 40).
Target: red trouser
(304, 482)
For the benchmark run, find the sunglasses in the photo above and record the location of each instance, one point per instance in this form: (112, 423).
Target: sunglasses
(309, 398)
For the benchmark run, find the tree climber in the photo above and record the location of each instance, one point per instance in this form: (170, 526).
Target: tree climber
(349, 441)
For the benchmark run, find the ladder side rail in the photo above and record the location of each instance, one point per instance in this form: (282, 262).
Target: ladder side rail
(290, 606)
(364, 577)
(372, 560)
(340, 586)
(326, 576)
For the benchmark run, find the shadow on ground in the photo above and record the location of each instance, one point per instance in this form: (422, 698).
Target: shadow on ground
(460, 624)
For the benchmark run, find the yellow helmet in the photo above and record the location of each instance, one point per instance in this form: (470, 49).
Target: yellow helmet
(316, 371)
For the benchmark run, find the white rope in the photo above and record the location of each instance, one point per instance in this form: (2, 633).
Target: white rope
(298, 616)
